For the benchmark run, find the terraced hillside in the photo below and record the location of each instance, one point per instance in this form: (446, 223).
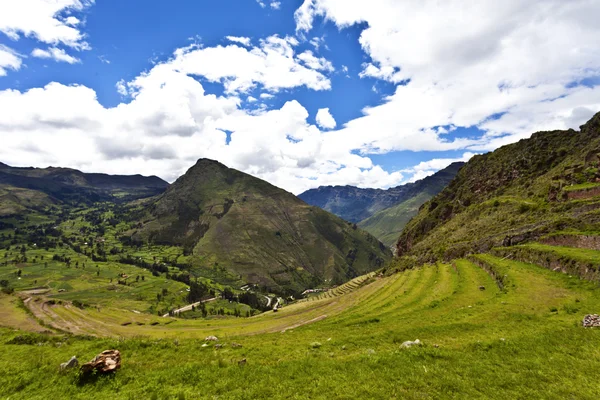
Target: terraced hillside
(489, 326)
(519, 193)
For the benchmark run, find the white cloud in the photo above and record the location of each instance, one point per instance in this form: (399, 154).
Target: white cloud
(316, 63)
(461, 63)
(9, 59)
(275, 5)
(459, 66)
(273, 64)
(122, 88)
(325, 119)
(239, 39)
(56, 54)
(261, 3)
(427, 168)
(40, 19)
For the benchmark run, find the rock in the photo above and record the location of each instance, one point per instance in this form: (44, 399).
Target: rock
(236, 345)
(211, 339)
(72, 363)
(481, 287)
(219, 346)
(204, 345)
(242, 362)
(591, 321)
(107, 361)
(408, 344)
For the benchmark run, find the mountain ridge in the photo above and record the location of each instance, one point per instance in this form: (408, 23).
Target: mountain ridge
(265, 234)
(515, 194)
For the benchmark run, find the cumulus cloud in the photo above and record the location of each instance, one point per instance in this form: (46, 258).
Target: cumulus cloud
(317, 63)
(273, 64)
(40, 19)
(457, 63)
(56, 54)
(275, 5)
(239, 39)
(9, 59)
(325, 119)
(427, 168)
(508, 68)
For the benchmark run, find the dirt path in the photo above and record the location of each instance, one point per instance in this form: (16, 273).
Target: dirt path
(310, 321)
(35, 291)
(189, 307)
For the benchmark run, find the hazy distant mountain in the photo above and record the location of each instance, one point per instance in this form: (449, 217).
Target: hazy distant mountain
(383, 213)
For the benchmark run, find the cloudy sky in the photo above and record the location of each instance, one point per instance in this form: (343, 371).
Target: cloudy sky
(300, 93)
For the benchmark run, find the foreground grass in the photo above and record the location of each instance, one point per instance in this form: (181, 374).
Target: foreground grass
(479, 343)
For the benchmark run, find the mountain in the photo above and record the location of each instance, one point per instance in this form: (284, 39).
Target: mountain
(546, 185)
(268, 236)
(383, 213)
(25, 188)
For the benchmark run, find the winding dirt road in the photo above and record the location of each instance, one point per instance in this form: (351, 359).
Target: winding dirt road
(189, 306)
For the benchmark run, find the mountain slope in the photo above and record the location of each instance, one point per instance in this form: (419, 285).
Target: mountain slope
(265, 234)
(383, 213)
(26, 188)
(355, 204)
(518, 193)
(387, 224)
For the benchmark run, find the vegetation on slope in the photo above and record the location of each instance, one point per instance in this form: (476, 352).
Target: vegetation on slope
(476, 344)
(223, 217)
(355, 204)
(37, 188)
(515, 194)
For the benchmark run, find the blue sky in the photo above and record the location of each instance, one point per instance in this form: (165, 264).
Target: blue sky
(404, 88)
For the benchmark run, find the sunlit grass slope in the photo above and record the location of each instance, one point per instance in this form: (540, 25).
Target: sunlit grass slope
(525, 341)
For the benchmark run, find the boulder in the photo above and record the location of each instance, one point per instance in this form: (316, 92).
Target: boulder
(72, 363)
(211, 339)
(591, 321)
(409, 343)
(107, 361)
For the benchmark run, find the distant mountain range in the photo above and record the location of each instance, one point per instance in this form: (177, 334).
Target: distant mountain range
(383, 213)
(222, 218)
(37, 188)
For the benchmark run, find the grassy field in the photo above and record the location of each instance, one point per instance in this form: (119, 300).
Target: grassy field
(479, 342)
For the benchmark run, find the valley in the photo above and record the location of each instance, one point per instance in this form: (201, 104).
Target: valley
(494, 275)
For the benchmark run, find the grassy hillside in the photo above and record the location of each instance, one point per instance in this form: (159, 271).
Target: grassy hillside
(387, 224)
(226, 218)
(479, 341)
(515, 194)
(355, 204)
(37, 188)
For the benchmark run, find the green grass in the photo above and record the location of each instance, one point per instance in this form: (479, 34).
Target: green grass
(96, 284)
(582, 255)
(582, 186)
(526, 342)
(387, 224)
